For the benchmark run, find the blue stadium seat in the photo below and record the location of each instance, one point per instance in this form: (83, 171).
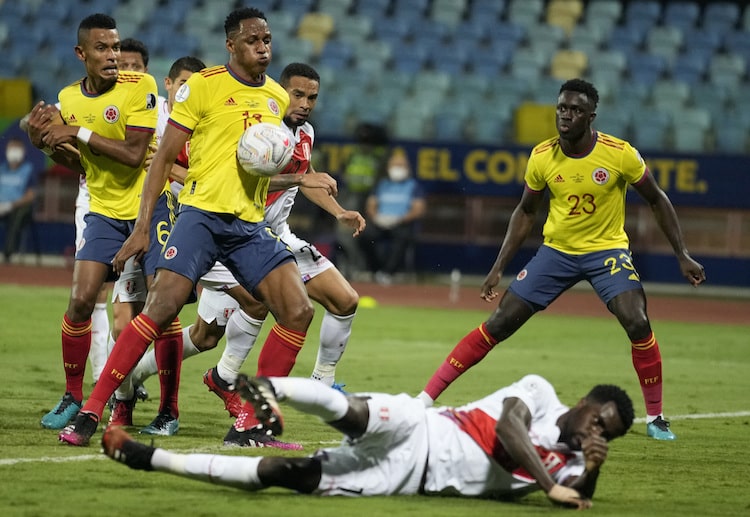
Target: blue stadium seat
(450, 58)
(448, 125)
(449, 12)
(413, 9)
(683, 15)
(691, 129)
(731, 135)
(373, 9)
(690, 67)
(665, 41)
(625, 38)
(527, 64)
(336, 54)
(646, 68)
(546, 38)
(507, 35)
(721, 16)
(670, 95)
(651, 131)
(604, 14)
(354, 28)
(587, 38)
(643, 12)
(486, 9)
(525, 12)
(613, 120)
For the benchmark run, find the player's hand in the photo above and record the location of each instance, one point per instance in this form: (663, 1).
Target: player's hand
(595, 449)
(134, 246)
(568, 497)
(488, 292)
(37, 120)
(55, 135)
(150, 152)
(352, 219)
(321, 180)
(692, 270)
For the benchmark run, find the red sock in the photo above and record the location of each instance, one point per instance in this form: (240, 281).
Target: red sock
(76, 343)
(647, 363)
(168, 350)
(128, 350)
(280, 351)
(468, 352)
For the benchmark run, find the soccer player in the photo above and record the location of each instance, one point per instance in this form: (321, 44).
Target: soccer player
(324, 283)
(587, 174)
(111, 117)
(519, 439)
(221, 214)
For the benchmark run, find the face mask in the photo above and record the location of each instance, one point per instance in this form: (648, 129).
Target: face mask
(14, 154)
(398, 173)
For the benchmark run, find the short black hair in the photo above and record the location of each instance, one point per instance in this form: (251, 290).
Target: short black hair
(604, 393)
(135, 45)
(298, 69)
(584, 87)
(189, 63)
(232, 23)
(95, 21)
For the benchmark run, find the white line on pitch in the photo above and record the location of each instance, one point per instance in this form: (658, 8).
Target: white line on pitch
(700, 416)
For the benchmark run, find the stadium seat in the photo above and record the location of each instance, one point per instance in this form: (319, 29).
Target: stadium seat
(613, 121)
(603, 13)
(728, 71)
(564, 14)
(664, 41)
(316, 28)
(651, 132)
(489, 62)
(721, 16)
(448, 126)
(731, 136)
(606, 68)
(586, 38)
(413, 9)
(334, 6)
(646, 68)
(432, 81)
(410, 60)
(486, 9)
(568, 64)
(448, 12)
(525, 12)
(373, 9)
(450, 58)
(336, 54)
(691, 129)
(527, 64)
(546, 38)
(643, 12)
(298, 7)
(507, 35)
(354, 28)
(408, 122)
(626, 38)
(670, 95)
(682, 14)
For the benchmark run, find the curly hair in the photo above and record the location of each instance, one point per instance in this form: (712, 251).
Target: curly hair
(584, 87)
(604, 393)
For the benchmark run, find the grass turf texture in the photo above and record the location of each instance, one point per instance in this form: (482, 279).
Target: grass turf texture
(393, 349)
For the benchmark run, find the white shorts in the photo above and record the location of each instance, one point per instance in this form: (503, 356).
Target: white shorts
(82, 208)
(389, 459)
(216, 305)
(219, 305)
(130, 286)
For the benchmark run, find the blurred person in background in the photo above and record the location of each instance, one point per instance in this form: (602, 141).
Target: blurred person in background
(18, 191)
(393, 208)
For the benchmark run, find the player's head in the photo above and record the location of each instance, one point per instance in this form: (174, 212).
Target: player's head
(133, 55)
(398, 167)
(302, 83)
(248, 42)
(606, 410)
(15, 151)
(99, 47)
(576, 108)
(179, 72)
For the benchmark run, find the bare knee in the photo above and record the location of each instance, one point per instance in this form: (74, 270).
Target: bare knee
(206, 336)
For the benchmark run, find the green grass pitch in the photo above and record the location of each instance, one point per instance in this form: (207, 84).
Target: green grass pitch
(393, 349)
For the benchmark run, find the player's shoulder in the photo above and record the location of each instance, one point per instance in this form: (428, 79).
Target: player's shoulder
(611, 141)
(536, 384)
(545, 146)
(211, 71)
(132, 77)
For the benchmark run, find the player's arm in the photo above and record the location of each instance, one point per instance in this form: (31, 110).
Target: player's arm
(666, 218)
(131, 151)
(137, 244)
(519, 227)
(595, 449)
(309, 180)
(512, 430)
(325, 200)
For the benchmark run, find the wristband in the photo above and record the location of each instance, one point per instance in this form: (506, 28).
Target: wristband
(84, 135)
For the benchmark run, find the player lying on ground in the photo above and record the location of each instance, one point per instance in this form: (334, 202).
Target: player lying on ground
(517, 440)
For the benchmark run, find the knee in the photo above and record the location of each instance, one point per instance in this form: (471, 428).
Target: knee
(636, 328)
(80, 308)
(346, 305)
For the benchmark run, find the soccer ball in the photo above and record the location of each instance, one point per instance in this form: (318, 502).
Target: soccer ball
(264, 149)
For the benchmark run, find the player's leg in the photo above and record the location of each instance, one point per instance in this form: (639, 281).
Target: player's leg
(618, 284)
(541, 281)
(246, 473)
(88, 278)
(340, 300)
(99, 334)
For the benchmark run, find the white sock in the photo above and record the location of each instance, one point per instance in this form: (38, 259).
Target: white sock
(234, 471)
(241, 333)
(651, 418)
(426, 399)
(334, 335)
(99, 336)
(126, 390)
(312, 397)
(147, 367)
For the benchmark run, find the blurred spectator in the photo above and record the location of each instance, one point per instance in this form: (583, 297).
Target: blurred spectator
(18, 185)
(393, 209)
(358, 179)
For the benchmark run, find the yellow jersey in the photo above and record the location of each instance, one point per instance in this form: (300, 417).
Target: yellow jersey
(587, 192)
(130, 105)
(215, 107)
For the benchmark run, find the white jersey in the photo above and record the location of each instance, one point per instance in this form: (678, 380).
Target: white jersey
(162, 105)
(450, 451)
(278, 208)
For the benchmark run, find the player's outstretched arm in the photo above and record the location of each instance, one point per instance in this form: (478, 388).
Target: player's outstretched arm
(519, 228)
(666, 218)
(595, 449)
